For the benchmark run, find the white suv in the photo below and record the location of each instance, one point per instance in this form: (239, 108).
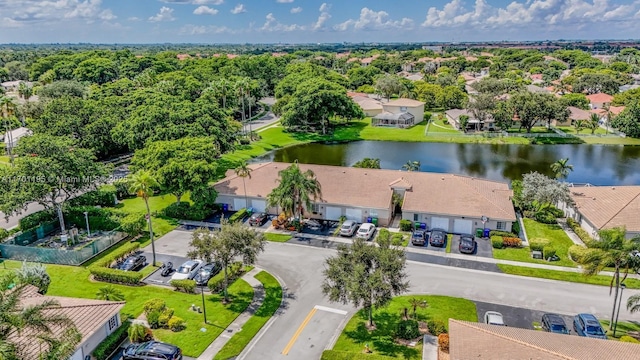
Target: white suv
(366, 231)
(493, 318)
(348, 228)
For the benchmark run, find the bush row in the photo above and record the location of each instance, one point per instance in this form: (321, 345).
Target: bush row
(105, 197)
(437, 327)
(117, 255)
(102, 271)
(406, 225)
(160, 316)
(548, 252)
(234, 271)
(538, 244)
(345, 355)
(185, 211)
(238, 215)
(582, 233)
(499, 242)
(493, 233)
(111, 342)
(99, 218)
(186, 286)
(577, 252)
(34, 220)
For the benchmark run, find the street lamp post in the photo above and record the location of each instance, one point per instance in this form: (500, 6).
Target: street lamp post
(615, 325)
(86, 219)
(204, 308)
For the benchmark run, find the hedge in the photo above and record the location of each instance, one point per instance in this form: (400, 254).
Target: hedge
(176, 323)
(493, 233)
(582, 234)
(577, 252)
(115, 276)
(512, 242)
(405, 225)
(396, 239)
(105, 197)
(496, 242)
(99, 218)
(239, 215)
(121, 253)
(629, 339)
(549, 252)
(34, 220)
(3, 234)
(185, 211)
(111, 342)
(408, 329)
(345, 355)
(436, 327)
(234, 271)
(187, 286)
(538, 244)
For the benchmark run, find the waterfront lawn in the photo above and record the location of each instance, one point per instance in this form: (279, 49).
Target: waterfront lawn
(610, 140)
(534, 130)
(572, 130)
(576, 277)
(558, 240)
(355, 335)
(277, 237)
(438, 126)
(383, 133)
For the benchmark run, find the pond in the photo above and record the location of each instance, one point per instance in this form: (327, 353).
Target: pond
(593, 164)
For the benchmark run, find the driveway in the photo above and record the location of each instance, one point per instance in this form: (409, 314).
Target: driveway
(483, 248)
(517, 316)
(428, 246)
(157, 279)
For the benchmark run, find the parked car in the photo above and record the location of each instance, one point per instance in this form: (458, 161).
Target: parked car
(258, 219)
(348, 228)
(467, 244)
(207, 272)
(589, 326)
(366, 231)
(438, 238)
(493, 318)
(187, 270)
(419, 237)
(554, 323)
(133, 263)
(152, 350)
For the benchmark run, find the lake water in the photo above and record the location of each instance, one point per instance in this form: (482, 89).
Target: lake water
(593, 164)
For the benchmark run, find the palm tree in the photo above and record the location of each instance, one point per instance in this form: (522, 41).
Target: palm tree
(142, 183)
(223, 87)
(608, 114)
(415, 303)
(633, 303)
(296, 190)
(593, 123)
(561, 168)
(411, 166)
(241, 87)
(579, 125)
(109, 293)
(612, 250)
(244, 171)
(139, 333)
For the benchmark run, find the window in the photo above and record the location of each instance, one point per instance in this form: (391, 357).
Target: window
(416, 217)
(113, 322)
(373, 213)
(403, 108)
(315, 208)
(501, 225)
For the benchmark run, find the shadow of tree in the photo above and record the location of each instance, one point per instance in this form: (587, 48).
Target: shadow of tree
(383, 337)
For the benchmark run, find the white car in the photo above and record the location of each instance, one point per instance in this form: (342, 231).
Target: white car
(366, 231)
(493, 318)
(188, 270)
(348, 228)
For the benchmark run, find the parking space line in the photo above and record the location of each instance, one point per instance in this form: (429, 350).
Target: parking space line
(331, 310)
(299, 331)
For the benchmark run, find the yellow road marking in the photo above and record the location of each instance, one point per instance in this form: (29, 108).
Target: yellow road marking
(299, 331)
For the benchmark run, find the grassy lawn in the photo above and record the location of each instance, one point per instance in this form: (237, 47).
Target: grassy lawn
(381, 341)
(277, 237)
(534, 130)
(572, 130)
(273, 298)
(564, 276)
(460, 138)
(622, 328)
(611, 140)
(4, 160)
(161, 224)
(381, 133)
(449, 241)
(438, 126)
(557, 237)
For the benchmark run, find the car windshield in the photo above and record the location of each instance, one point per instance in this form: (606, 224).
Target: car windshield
(130, 260)
(594, 330)
(346, 226)
(363, 230)
(558, 328)
(466, 242)
(184, 269)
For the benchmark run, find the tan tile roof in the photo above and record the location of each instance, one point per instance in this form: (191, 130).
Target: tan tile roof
(609, 206)
(600, 98)
(481, 341)
(578, 114)
(405, 102)
(370, 188)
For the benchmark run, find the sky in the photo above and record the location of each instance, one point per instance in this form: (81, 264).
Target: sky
(314, 21)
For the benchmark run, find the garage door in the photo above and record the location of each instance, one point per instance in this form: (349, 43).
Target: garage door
(439, 223)
(259, 205)
(238, 204)
(333, 213)
(462, 226)
(354, 214)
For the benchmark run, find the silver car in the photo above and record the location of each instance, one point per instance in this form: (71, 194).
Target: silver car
(348, 228)
(188, 270)
(366, 231)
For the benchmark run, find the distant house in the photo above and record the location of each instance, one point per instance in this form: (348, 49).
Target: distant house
(401, 113)
(11, 137)
(536, 89)
(453, 116)
(370, 107)
(14, 85)
(574, 114)
(536, 78)
(414, 77)
(599, 100)
(605, 207)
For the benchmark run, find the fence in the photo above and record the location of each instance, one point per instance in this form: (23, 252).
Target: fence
(30, 236)
(62, 256)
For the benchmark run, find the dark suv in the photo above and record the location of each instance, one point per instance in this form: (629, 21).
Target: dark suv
(152, 350)
(438, 238)
(554, 323)
(258, 219)
(419, 237)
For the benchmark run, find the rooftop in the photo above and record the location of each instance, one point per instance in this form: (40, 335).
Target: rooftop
(578, 114)
(405, 102)
(609, 206)
(600, 98)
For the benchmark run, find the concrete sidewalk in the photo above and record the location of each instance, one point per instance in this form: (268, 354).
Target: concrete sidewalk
(236, 325)
(572, 235)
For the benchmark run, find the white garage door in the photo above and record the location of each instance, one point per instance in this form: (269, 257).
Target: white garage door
(259, 205)
(238, 204)
(354, 214)
(462, 226)
(332, 213)
(439, 223)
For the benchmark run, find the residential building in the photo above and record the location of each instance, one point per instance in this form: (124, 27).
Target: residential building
(371, 107)
(469, 340)
(599, 100)
(604, 207)
(401, 113)
(536, 89)
(453, 202)
(624, 88)
(536, 78)
(14, 85)
(574, 114)
(12, 137)
(453, 116)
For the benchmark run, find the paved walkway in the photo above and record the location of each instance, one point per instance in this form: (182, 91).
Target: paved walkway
(236, 325)
(572, 235)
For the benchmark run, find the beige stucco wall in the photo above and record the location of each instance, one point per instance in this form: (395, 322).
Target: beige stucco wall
(416, 111)
(94, 340)
(372, 112)
(477, 222)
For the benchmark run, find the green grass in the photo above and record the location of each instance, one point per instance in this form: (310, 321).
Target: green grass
(161, 224)
(611, 140)
(557, 237)
(564, 276)
(534, 130)
(4, 160)
(273, 298)
(449, 241)
(572, 130)
(381, 340)
(277, 237)
(622, 328)
(438, 126)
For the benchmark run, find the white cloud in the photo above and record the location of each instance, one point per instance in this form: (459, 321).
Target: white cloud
(239, 9)
(284, 1)
(165, 14)
(324, 16)
(194, 2)
(271, 24)
(205, 10)
(296, 10)
(374, 20)
(21, 12)
(204, 29)
(133, 18)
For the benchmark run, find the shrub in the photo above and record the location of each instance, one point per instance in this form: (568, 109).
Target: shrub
(493, 233)
(497, 242)
(154, 305)
(629, 339)
(397, 239)
(176, 324)
(115, 276)
(184, 210)
(165, 316)
(349, 355)
(549, 252)
(557, 213)
(3, 234)
(577, 252)
(384, 236)
(239, 215)
(153, 318)
(133, 224)
(405, 225)
(512, 242)
(408, 329)
(436, 327)
(34, 220)
(546, 218)
(582, 234)
(111, 342)
(139, 333)
(234, 271)
(99, 218)
(515, 227)
(187, 286)
(105, 197)
(121, 253)
(538, 244)
(443, 342)
(122, 189)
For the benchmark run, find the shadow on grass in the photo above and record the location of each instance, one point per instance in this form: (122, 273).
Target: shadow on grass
(238, 301)
(382, 338)
(337, 132)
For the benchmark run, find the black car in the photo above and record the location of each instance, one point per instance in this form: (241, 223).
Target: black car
(419, 237)
(258, 219)
(152, 350)
(554, 323)
(467, 244)
(207, 272)
(133, 263)
(438, 238)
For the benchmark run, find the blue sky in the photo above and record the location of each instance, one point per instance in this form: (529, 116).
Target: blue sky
(308, 21)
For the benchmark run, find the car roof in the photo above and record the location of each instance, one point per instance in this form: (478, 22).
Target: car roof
(161, 347)
(588, 317)
(367, 225)
(438, 230)
(191, 263)
(494, 316)
(348, 222)
(466, 238)
(209, 266)
(554, 318)
(419, 231)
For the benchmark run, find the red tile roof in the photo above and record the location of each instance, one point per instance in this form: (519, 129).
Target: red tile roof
(600, 98)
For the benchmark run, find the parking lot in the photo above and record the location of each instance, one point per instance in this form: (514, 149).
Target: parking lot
(519, 317)
(156, 278)
(483, 247)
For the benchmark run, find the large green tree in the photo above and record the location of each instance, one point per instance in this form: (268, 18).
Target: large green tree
(96, 70)
(629, 120)
(534, 108)
(592, 83)
(365, 275)
(295, 191)
(388, 85)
